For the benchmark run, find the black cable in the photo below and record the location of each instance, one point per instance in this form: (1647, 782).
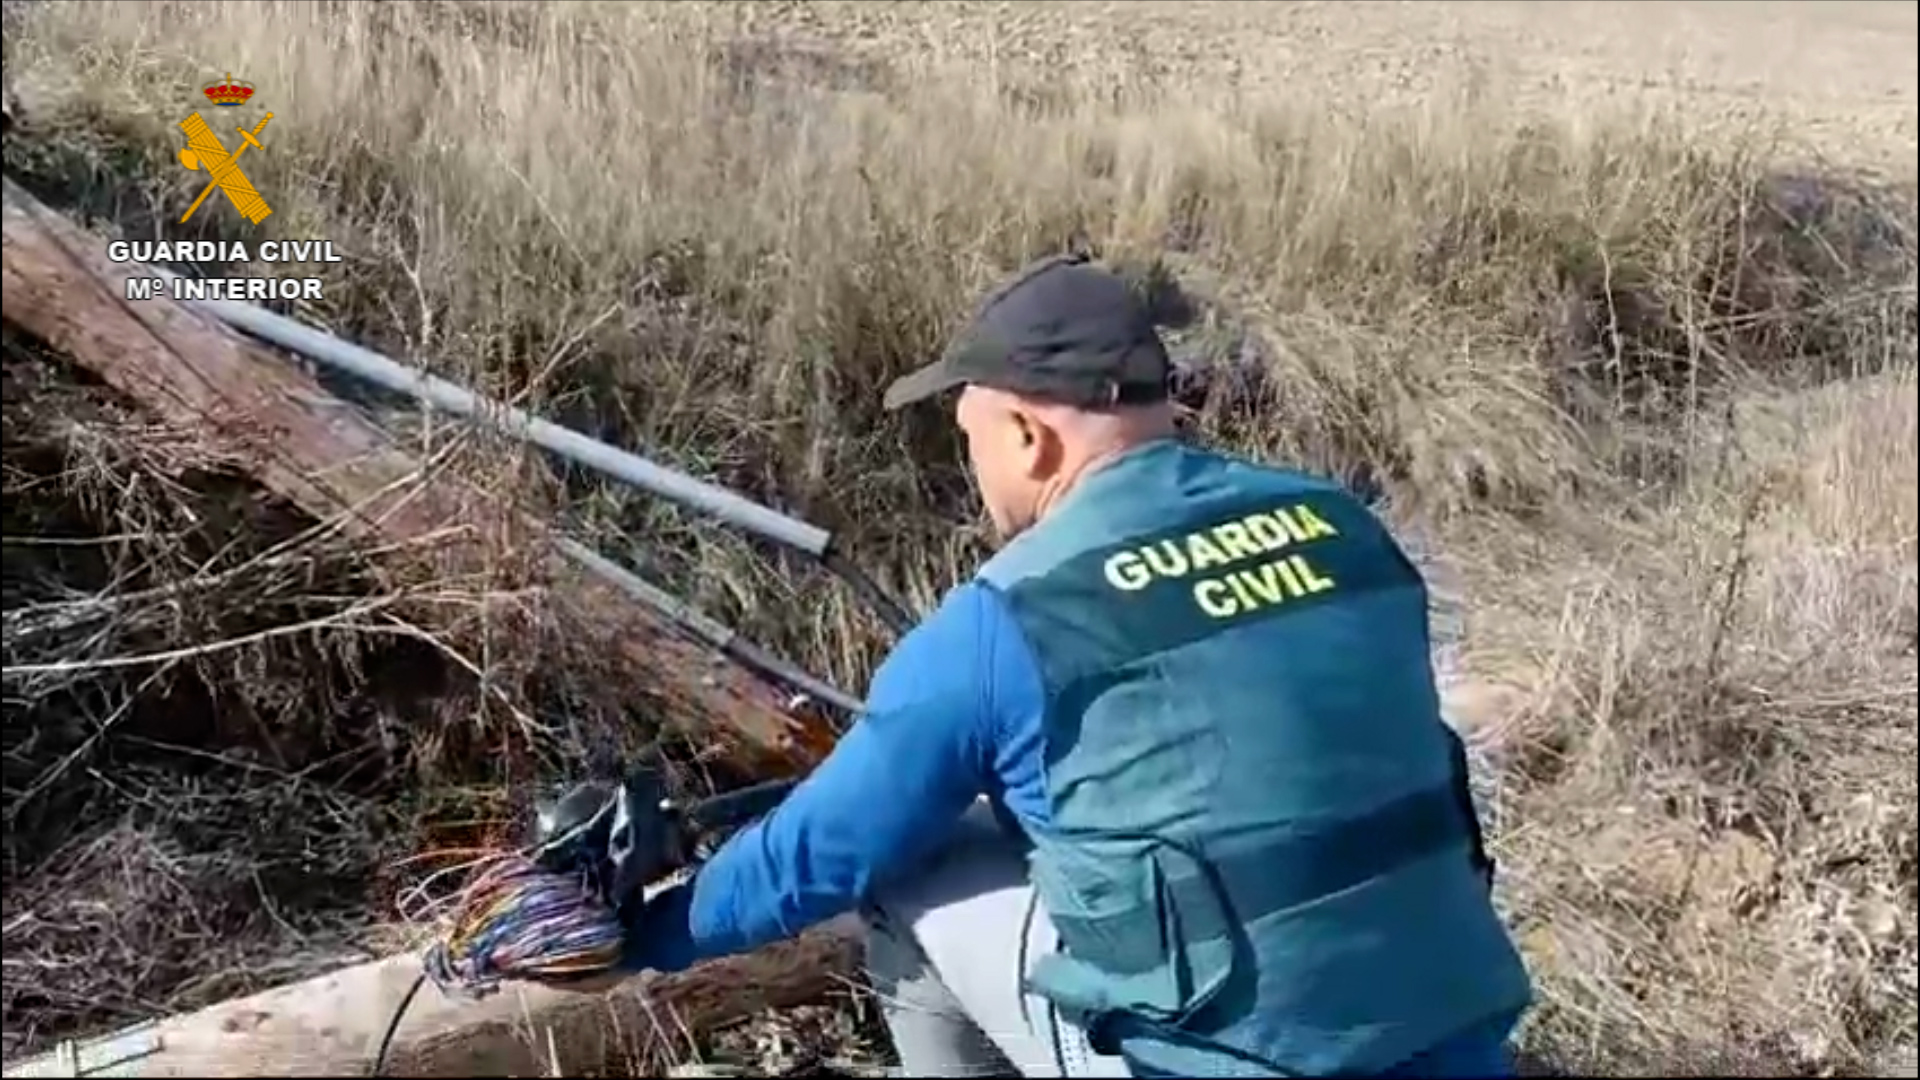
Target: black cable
(728, 811)
(886, 607)
(393, 1025)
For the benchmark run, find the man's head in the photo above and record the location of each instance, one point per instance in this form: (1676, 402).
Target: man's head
(1060, 368)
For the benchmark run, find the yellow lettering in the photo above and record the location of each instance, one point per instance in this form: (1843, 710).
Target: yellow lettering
(1236, 581)
(1285, 514)
(1212, 597)
(1166, 559)
(1203, 553)
(1312, 580)
(1284, 571)
(1266, 532)
(1233, 537)
(1260, 582)
(1312, 524)
(1126, 572)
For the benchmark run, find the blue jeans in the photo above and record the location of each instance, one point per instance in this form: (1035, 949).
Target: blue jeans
(947, 949)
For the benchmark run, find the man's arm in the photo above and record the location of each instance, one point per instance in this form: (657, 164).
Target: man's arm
(888, 795)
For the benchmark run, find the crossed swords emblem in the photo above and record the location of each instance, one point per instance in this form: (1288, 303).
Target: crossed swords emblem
(204, 149)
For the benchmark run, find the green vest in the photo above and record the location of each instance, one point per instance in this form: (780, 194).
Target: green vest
(1258, 859)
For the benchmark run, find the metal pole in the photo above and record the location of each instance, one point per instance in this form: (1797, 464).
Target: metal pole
(452, 398)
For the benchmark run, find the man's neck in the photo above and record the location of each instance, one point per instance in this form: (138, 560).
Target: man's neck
(1085, 465)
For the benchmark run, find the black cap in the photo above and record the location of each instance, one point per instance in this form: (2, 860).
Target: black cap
(1061, 330)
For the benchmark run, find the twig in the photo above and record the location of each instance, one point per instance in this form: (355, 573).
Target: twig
(190, 652)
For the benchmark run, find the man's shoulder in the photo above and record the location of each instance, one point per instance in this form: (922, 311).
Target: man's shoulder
(1258, 476)
(1032, 552)
(953, 647)
(1207, 476)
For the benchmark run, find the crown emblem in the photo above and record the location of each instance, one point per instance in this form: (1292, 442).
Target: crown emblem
(229, 93)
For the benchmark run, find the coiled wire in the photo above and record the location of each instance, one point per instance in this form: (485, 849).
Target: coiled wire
(518, 921)
(515, 920)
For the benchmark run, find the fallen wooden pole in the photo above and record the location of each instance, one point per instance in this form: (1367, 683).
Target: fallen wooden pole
(333, 1025)
(332, 462)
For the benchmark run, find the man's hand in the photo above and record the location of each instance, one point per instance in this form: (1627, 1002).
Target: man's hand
(647, 930)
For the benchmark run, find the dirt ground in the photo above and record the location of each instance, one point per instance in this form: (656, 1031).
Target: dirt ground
(1843, 73)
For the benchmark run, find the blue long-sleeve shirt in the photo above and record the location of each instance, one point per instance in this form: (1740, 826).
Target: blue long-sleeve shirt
(952, 714)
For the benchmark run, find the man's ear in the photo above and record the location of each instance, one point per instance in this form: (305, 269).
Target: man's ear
(1025, 425)
(1041, 444)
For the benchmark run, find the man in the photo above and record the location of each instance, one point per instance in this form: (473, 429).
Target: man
(1227, 832)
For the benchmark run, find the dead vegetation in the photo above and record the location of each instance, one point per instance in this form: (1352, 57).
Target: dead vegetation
(1648, 396)
(182, 816)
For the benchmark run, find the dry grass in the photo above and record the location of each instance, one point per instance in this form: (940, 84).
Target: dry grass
(1648, 397)
(165, 823)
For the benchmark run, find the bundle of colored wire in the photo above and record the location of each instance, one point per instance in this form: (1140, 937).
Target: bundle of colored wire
(518, 921)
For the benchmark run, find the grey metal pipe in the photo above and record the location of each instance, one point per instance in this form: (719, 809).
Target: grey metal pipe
(449, 397)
